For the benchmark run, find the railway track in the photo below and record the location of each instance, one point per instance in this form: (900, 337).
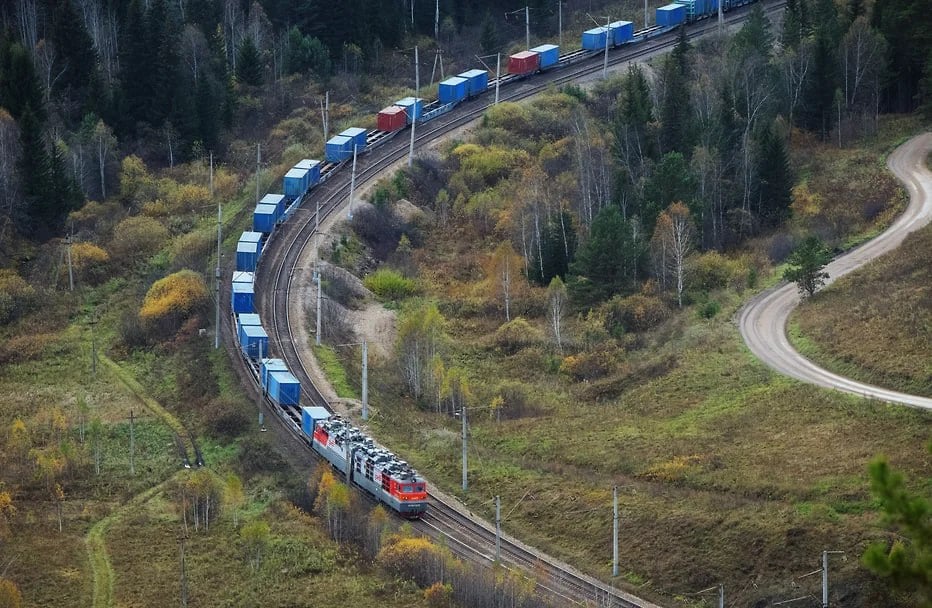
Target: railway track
(467, 537)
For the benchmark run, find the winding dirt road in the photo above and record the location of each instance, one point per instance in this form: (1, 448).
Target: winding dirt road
(763, 320)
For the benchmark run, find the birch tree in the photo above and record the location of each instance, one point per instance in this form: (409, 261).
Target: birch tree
(556, 308)
(505, 268)
(673, 235)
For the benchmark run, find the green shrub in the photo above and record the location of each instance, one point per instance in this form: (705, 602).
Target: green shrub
(590, 365)
(634, 313)
(516, 335)
(709, 309)
(388, 285)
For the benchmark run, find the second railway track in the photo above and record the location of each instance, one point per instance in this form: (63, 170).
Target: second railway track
(467, 537)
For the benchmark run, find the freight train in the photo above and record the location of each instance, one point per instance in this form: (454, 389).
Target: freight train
(385, 476)
(390, 480)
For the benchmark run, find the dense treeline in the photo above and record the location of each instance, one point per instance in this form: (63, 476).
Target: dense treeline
(635, 179)
(84, 81)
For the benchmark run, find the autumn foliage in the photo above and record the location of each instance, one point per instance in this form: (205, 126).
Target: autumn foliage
(417, 559)
(172, 300)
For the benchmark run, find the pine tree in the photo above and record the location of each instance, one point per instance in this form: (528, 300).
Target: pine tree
(248, 64)
(907, 562)
(805, 265)
(672, 181)
(774, 180)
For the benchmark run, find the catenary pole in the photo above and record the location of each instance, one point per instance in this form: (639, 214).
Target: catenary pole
(608, 32)
(527, 27)
(258, 169)
(413, 117)
(352, 185)
(317, 278)
(217, 267)
(463, 413)
(498, 528)
(498, 75)
(615, 531)
(365, 380)
(560, 11)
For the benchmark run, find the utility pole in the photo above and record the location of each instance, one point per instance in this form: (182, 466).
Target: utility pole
(645, 14)
(560, 12)
(437, 20)
(498, 75)
(417, 89)
(365, 380)
(258, 169)
(825, 555)
(608, 32)
(261, 392)
(352, 186)
(527, 27)
(132, 444)
(463, 413)
(217, 269)
(498, 529)
(721, 595)
(615, 531)
(184, 575)
(325, 114)
(70, 268)
(721, 18)
(317, 279)
(92, 322)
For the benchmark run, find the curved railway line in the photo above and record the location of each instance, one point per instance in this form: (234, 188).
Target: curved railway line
(466, 536)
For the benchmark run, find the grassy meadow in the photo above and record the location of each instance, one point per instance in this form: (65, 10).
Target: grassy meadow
(726, 471)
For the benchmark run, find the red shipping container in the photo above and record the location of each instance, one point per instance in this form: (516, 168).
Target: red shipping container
(391, 118)
(524, 62)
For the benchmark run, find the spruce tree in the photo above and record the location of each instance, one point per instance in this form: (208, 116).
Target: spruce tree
(488, 39)
(248, 64)
(676, 112)
(774, 180)
(19, 84)
(605, 264)
(33, 169)
(75, 46)
(136, 70)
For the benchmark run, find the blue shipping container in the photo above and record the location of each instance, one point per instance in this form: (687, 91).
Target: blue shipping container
(413, 107)
(313, 169)
(549, 55)
(622, 32)
(670, 15)
(246, 319)
(247, 257)
(311, 415)
(242, 298)
(268, 366)
(452, 90)
(594, 39)
(264, 218)
(358, 136)
(244, 277)
(339, 148)
(477, 81)
(251, 236)
(254, 341)
(284, 389)
(295, 182)
(275, 199)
